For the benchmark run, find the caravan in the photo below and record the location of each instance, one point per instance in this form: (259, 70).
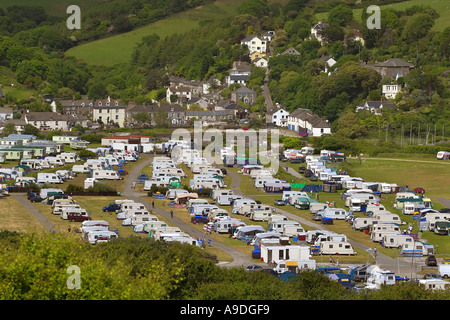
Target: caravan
(392, 240)
(227, 200)
(105, 175)
(278, 226)
(48, 178)
(411, 208)
(294, 266)
(336, 247)
(333, 213)
(98, 236)
(69, 157)
(260, 214)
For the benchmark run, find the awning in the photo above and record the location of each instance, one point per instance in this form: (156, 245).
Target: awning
(291, 264)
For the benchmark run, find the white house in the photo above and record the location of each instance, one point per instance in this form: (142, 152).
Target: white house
(255, 43)
(307, 123)
(53, 121)
(316, 31)
(390, 90)
(109, 111)
(329, 62)
(280, 118)
(375, 107)
(261, 62)
(183, 93)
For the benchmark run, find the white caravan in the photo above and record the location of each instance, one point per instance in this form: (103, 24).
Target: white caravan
(336, 247)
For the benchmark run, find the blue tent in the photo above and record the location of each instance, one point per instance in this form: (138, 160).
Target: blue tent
(312, 188)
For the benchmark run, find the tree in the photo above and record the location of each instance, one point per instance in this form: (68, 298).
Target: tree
(30, 129)
(340, 15)
(10, 128)
(417, 27)
(349, 126)
(141, 117)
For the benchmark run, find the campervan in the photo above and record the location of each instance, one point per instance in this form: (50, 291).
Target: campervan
(278, 226)
(392, 240)
(48, 178)
(336, 247)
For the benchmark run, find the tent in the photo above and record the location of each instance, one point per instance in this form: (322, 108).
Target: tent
(312, 188)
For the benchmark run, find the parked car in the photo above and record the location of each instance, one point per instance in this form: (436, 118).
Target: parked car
(224, 171)
(297, 160)
(419, 190)
(431, 261)
(35, 198)
(111, 207)
(317, 217)
(446, 261)
(301, 169)
(313, 178)
(279, 202)
(254, 267)
(432, 276)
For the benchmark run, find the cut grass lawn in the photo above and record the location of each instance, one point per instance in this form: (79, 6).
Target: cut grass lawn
(14, 217)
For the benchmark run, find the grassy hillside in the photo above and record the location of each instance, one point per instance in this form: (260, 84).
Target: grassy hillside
(441, 6)
(12, 87)
(118, 49)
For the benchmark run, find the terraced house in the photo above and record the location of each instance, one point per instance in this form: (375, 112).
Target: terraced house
(109, 111)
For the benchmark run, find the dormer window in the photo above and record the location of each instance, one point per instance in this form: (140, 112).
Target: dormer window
(99, 104)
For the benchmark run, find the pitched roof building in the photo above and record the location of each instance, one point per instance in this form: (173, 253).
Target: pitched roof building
(307, 123)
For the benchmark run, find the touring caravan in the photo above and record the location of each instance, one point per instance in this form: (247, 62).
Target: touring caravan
(292, 230)
(379, 230)
(411, 208)
(294, 266)
(171, 194)
(58, 209)
(80, 168)
(260, 214)
(416, 249)
(106, 175)
(99, 236)
(227, 200)
(69, 157)
(336, 247)
(391, 240)
(130, 212)
(48, 178)
(224, 225)
(315, 207)
(237, 205)
(392, 218)
(443, 155)
(362, 223)
(277, 217)
(278, 226)
(333, 213)
(289, 196)
(335, 237)
(151, 226)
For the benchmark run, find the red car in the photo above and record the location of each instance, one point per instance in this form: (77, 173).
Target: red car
(419, 190)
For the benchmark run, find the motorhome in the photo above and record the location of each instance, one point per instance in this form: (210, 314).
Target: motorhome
(48, 178)
(392, 240)
(294, 266)
(278, 226)
(336, 247)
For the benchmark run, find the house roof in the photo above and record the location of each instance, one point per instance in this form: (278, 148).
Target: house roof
(249, 38)
(6, 110)
(243, 77)
(290, 50)
(206, 113)
(245, 90)
(320, 25)
(136, 108)
(235, 106)
(394, 63)
(49, 116)
(311, 117)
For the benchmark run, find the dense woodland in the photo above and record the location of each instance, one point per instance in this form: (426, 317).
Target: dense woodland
(36, 268)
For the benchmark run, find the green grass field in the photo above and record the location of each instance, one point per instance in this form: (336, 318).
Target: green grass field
(441, 6)
(118, 49)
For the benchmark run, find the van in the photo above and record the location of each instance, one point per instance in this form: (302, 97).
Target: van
(48, 178)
